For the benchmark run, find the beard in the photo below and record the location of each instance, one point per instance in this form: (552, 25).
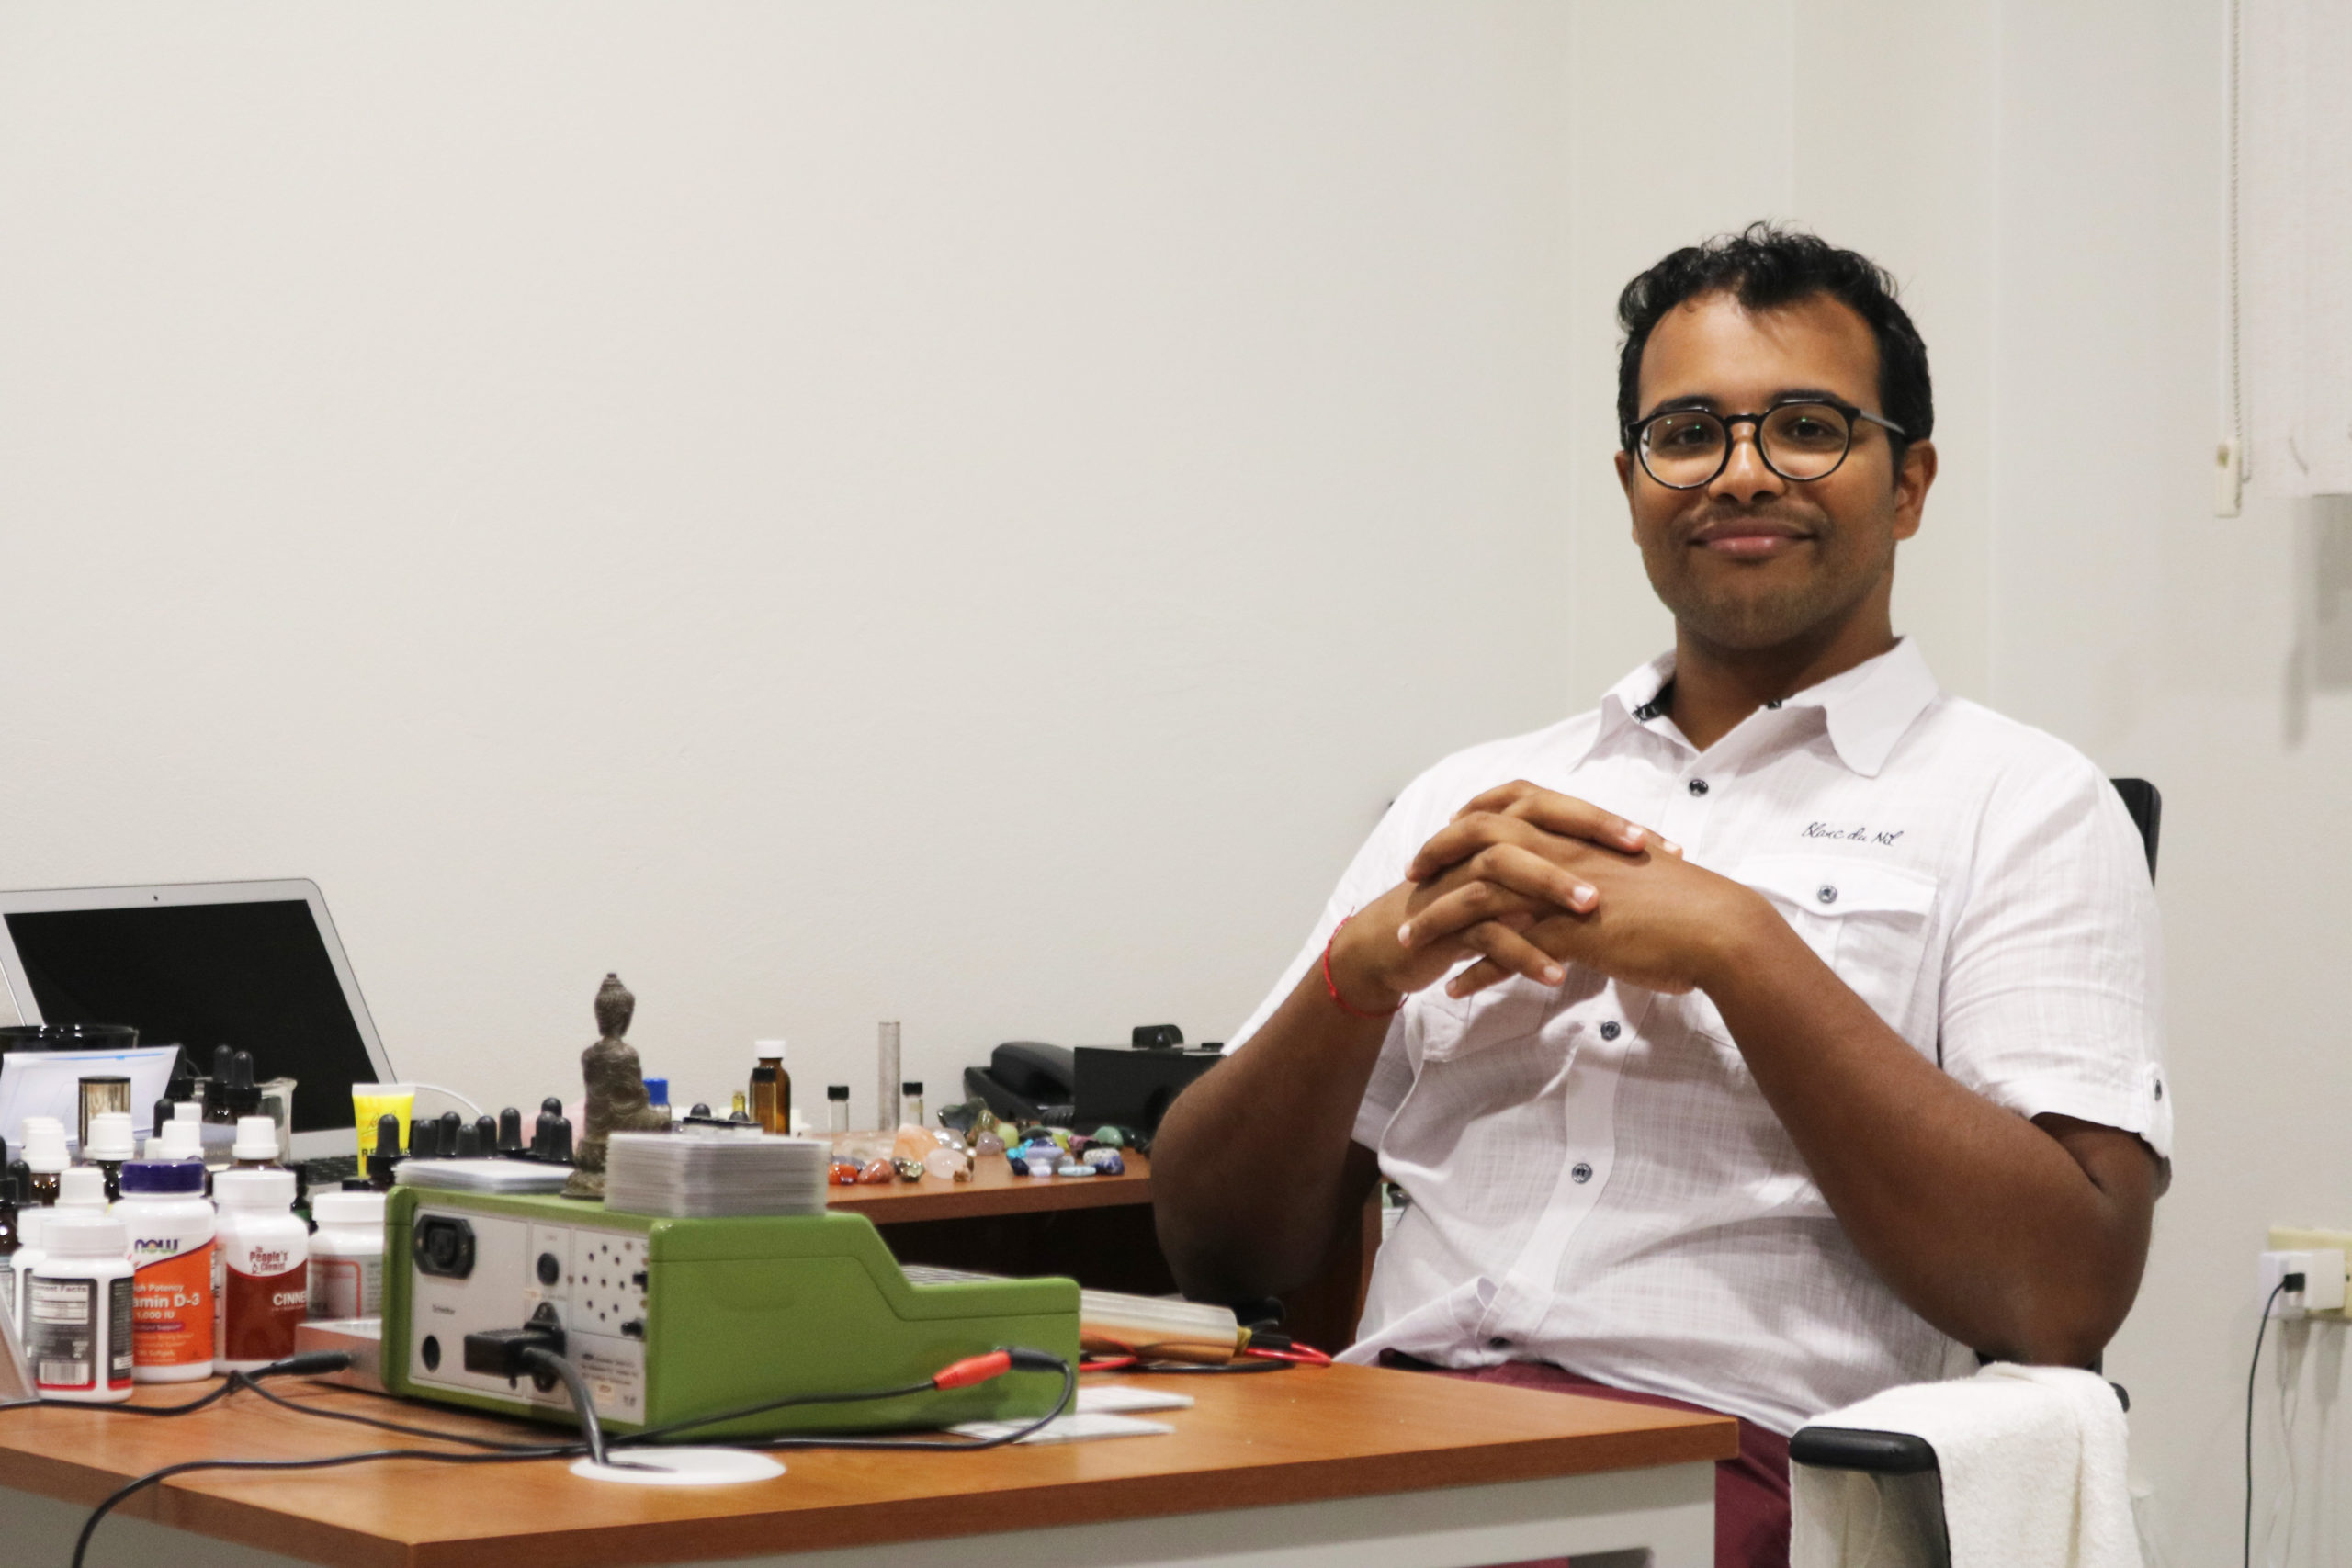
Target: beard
(1750, 605)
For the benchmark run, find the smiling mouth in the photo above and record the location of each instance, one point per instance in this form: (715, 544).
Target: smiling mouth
(1749, 543)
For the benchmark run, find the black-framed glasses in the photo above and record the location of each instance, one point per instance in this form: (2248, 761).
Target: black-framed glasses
(1801, 441)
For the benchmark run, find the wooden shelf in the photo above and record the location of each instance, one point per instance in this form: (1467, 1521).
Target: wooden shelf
(994, 1189)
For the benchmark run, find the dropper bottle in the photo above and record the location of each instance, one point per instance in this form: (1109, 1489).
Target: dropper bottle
(110, 1145)
(45, 1155)
(257, 1144)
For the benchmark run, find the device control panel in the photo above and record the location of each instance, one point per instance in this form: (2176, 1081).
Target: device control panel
(478, 1272)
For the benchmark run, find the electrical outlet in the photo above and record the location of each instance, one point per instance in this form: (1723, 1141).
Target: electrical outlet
(2296, 1238)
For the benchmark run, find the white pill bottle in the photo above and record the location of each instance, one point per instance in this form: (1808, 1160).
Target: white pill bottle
(170, 1226)
(261, 1282)
(78, 1308)
(347, 1255)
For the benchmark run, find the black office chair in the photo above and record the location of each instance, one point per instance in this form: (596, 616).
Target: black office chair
(1910, 1484)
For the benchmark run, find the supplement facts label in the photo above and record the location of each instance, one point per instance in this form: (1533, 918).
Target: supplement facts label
(62, 1331)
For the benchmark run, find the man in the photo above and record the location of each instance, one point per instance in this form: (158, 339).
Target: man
(1785, 1029)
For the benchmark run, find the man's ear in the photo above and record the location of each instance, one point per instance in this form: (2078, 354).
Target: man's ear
(1625, 474)
(1912, 481)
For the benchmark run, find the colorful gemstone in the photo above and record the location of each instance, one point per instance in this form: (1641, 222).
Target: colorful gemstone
(907, 1169)
(1073, 1167)
(845, 1173)
(1110, 1137)
(876, 1173)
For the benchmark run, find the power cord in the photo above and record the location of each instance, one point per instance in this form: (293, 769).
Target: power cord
(960, 1374)
(2289, 1282)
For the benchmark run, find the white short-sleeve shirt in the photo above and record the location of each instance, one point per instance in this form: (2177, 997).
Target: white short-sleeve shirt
(1596, 1180)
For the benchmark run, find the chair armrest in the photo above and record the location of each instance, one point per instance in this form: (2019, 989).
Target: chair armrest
(1852, 1448)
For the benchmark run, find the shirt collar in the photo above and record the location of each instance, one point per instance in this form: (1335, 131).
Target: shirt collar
(1867, 708)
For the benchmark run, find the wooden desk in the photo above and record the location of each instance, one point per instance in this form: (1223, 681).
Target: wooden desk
(1348, 1467)
(1095, 1229)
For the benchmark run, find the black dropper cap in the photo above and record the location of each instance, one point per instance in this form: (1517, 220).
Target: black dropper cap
(469, 1144)
(182, 1084)
(216, 1089)
(553, 1141)
(386, 1154)
(424, 1139)
(244, 1095)
(510, 1131)
(700, 1109)
(163, 1114)
(550, 1105)
(451, 1125)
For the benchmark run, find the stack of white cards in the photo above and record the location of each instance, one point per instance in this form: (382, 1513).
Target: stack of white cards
(693, 1174)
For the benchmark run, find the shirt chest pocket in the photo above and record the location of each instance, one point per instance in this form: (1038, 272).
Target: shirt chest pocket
(1867, 921)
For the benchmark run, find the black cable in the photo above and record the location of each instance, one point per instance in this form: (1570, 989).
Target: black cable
(381, 1425)
(589, 1427)
(508, 1453)
(156, 1477)
(2264, 1323)
(1070, 1388)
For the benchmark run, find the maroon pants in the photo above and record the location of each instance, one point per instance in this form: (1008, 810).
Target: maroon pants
(1751, 1491)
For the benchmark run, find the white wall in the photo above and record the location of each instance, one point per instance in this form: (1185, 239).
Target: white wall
(965, 512)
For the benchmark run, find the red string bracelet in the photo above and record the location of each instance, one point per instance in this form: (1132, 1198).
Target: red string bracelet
(1333, 985)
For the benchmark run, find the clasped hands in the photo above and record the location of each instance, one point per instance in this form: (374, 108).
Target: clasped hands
(1526, 881)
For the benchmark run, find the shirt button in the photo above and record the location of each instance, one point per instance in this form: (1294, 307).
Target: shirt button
(1774, 704)
(1610, 1030)
(2160, 1088)
(1580, 1173)
(1827, 894)
(1697, 786)
(1499, 1343)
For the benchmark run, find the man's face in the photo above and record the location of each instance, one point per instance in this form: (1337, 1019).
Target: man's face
(1752, 560)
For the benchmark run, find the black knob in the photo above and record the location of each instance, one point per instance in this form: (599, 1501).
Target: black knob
(698, 1109)
(550, 1270)
(510, 1131)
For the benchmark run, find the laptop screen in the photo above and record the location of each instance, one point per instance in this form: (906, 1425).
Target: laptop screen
(252, 976)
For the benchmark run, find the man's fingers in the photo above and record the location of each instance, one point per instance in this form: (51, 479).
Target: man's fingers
(1504, 879)
(1507, 953)
(1479, 822)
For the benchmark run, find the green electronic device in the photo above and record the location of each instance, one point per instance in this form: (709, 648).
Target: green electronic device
(668, 1320)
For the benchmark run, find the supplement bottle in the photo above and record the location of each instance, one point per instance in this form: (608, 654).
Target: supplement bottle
(347, 1255)
(11, 1195)
(110, 1146)
(170, 1226)
(45, 1155)
(260, 1288)
(257, 1144)
(77, 1310)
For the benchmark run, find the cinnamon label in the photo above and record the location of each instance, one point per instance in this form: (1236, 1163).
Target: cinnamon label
(259, 1312)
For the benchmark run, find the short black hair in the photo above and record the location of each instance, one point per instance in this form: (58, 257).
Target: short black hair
(1766, 266)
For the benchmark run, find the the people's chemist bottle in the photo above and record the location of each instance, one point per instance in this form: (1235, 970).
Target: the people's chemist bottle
(170, 1226)
(261, 1283)
(78, 1310)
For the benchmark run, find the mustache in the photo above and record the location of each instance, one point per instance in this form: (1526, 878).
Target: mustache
(1711, 514)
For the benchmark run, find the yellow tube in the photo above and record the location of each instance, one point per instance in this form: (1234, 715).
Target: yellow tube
(370, 1102)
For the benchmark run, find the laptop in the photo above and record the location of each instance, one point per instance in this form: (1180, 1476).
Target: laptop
(252, 964)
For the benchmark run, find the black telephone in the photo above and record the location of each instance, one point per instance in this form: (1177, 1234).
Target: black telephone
(1026, 1082)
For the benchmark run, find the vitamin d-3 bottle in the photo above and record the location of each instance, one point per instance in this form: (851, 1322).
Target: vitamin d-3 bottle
(171, 1227)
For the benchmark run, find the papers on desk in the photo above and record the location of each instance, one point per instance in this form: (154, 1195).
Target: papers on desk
(49, 1083)
(1076, 1428)
(1104, 1410)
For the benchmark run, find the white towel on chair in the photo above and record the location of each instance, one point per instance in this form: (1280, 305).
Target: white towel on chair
(2033, 1473)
